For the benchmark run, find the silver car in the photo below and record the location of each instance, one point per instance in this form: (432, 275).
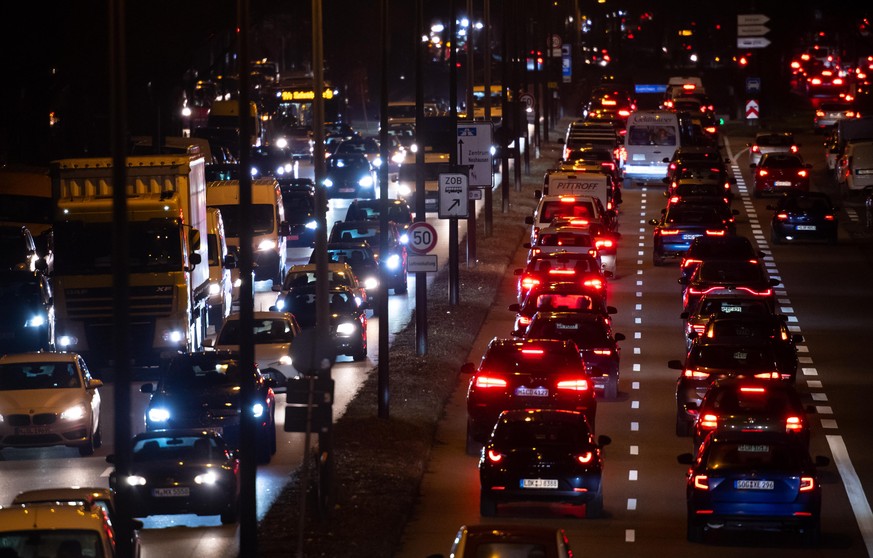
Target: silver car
(771, 142)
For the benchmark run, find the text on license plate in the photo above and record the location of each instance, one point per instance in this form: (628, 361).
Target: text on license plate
(532, 392)
(806, 227)
(689, 236)
(753, 485)
(344, 190)
(782, 183)
(539, 483)
(170, 492)
(31, 430)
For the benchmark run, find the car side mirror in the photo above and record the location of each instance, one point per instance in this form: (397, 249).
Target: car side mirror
(147, 387)
(517, 271)
(797, 338)
(230, 261)
(194, 259)
(675, 365)
(526, 245)
(611, 310)
(284, 228)
(620, 337)
(538, 194)
(654, 222)
(514, 307)
(775, 282)
(110, 458)
(665, 160)
(528, 220)
(603, 440)
(685, 459)
(468, 368)
(274, 308)
(94, 383)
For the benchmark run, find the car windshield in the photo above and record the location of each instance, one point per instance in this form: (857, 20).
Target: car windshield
(298, 206)
(566, 239)
(300, 278)
(202, 372)
(261, 216)
(571, 209)
(712, 271)
(32, 543)
(755, 455)
(197, 449)
(693, 215)
(265, 331)
(354, 233)
(748, 400)
(586, 335)
(38, 375)
(781, 162)
(537, 433)
(347, 163)
(775, 140)
(578, 265)
(302, 305)
(804, 203)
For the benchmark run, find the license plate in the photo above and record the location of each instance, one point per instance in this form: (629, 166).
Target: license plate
(172, 492)
(31, 430)
(539, 483)
(782, 183)
(753, 485)
(806, 227)
(293, 237)
(638, 157)
(532, 392)
(346, 190)
(689, 236)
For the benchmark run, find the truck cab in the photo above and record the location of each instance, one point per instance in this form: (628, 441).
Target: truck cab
(221, 261)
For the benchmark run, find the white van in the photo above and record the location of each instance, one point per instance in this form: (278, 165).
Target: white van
(221, 261)
(269, 227)
(651, 139)
(858, 165)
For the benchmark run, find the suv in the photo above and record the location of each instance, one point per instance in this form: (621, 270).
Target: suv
(393, 262)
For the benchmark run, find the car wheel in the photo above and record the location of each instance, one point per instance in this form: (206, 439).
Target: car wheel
(695, 531)
(263, 448)
(812, 534)
(98, 437)
(487, 504)
(361, 354)
(88, 447)
(594, 508)
(473, 446)
(231, 514)
(273, 445)
(657, 259)
(610, 390)
(774, 238)
(401, 287)
(683, 427)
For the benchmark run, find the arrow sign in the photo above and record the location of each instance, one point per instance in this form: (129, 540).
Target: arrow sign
(752, 42)
(752, 30)
(752, 19)
(453, 197)
(752, 109)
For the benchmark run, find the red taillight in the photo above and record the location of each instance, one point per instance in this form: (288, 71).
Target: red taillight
(715, 233)
(782, 216)
(580, 384)
(807, 484)
(755, 149)
(668, 232)
(562, 272)
(710, 129)
(488, 382)
(674, 199)
(494, 456)
(838, 81)
(695, 375)
(593, 283)
(698, 328)
(819, 113)
(523, 321)
(610, 166)
(602, 352)
(708, 421)
(752, 390)
(701, 482)
(672, 166)
(533, 352)
(579, 222)
(829, 217)
(690, 261)
(602, 243)
(567, 199)
(762, 172)
(527, 283)
(624, 113)
(802, 173)
(769, 375)
(815, 81)
(585, 458)
(793, 424)
(794, 149)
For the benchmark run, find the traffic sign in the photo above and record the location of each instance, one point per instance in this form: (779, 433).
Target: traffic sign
(752, 42)
(752, 30)
(418, 263)
(453, 195)
(527, 100)
(753, 85)
(474, 151)
(752, 111)
(752, 19)
(422, 237)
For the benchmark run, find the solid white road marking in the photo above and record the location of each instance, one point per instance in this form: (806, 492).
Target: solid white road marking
(860, 505)
(629, 535)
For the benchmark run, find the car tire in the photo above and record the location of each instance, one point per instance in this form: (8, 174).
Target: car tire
(87, 449)
(473, 447)
(487, 504)
(594, 508)
(657, 259)
(401, 287)
(812, 534)
(774, 238)
(610, 390)
(361, 354)
(695, 531)
(231, 514)
(683, 427)
(263, 448)
(98, 437)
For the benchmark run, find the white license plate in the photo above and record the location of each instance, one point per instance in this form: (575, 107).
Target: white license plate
(782, 183)
(346, 190)
(806, 227)
(293, 237)
(689, 236)
(753, 485)
(532, 392)
(638, 157)
(172, 492)
(539, 483)
(31, 430)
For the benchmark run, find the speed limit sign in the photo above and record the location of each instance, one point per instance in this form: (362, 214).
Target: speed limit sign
(422, 237)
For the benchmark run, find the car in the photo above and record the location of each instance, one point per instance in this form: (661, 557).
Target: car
(362, 259)
(753, 480)
(721, 303)
(706, 362)
(298, 141)
(566, 296)
(688, 155)
(393, 261)
(180, 470)
(339, 273)
(398, 211)
(722, 247)
(605, 240)
(18, 250)
(595, 339)
(301, 214)
(49, 399)
(781, 172)
(472, 541)
(348, 317)
(771, 142)
(599, 158)
(680, 225)
(719, 203)
(571, 239)
(202, 390)
(273, 336)
(28, 303)
(560, 266)
(550, 206)
(542, 455)
(751, 405)
(369, 147)
(523, 374)
(803, 217)
(349, 176)
(57, 529)
(744, 276)
(272, 161)
(829, 113)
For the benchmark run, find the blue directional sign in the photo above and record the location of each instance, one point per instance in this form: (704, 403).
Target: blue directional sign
(753, 85)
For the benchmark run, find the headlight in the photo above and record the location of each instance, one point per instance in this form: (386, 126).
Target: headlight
(404, 238)
(258, 410)
(282, 143)
(280, 304)
(365, 182)
(159, 414)
(312, 225)
(254, 171)
(377, 162)
(371, 283)
(285, 360)
(237, 282)
(393, 261)
(414, 148)
(265, 245)
(209, 477)
(346, 328)
(186, 112)
(214, 289)
(135, 480)
(35, 321)
(67, 341)
(327, 182)
(404, 190)
(398, 157)
(280, 171)
(174, 336)
(76, 412)
(288, 167)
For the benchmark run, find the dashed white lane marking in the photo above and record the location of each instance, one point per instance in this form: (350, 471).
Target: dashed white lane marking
(635, 385)
(639, 294)
(854, 490)
(630, 535)
(635, 426)
(804, 360)
(635, 404)
(802, 349)
(638, 335)
(639, 283)
(638, 307)
(636, 350)
(853, 215)
(819, 396)
(639, 272)
(635, 450)
(631, 504)
(638, 320)
(794, 329)
(641, 253)
(809, 371)
(632, 475)
(814, 384)
(636, 368)
(787, 310)
(824, 410)
(107, 471)
(792, 319)
(829, 424)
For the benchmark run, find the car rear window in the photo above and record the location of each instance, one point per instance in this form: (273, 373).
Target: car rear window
(776, 140)
(755, 455)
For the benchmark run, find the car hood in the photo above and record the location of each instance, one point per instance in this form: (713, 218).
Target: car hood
(39, 400)
(265, 353)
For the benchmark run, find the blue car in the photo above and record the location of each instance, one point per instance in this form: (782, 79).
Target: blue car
(680, 225)
(753, 481)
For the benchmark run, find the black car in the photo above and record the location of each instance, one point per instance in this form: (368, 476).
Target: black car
(568, 296)
(753, 481)
(348, 317)
(202, 390)
(300, 214)
(542, 455)
(180, 471)
(804, 216)
(560, 267)
(593, 335)
(721, 303)
(740, 276)
(349, 176)
(680, 225)
(398, 211)
(713, 247)
(272, 161)
(393, 262)
(362, 259)
(523, 374)
(29, 315)
(692, 155)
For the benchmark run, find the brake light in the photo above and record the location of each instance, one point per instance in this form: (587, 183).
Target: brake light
(674, 199)
(567, 199)
(689, 261)
(815, 81)
(755, 149)
(668, 232)
(602, 243)
(698, 328)
(829, 217)
(487, 382)
(585, 458)
(708, 421)
(701, 482)
(794, 149)
(710, 129)
(602, 352)
(593, 283)
(562, 272)
(579, 222)
(793, 424)
(802, 173)
(695, 375)
(715, 233)
(850, 114)
(752, 390)
(838, 81)
(580, 384)
(624, 113)
(535, 252)
(782, 216)
(527, 283)
(762, 172)
(688, 86)
(672, 166)
(608, 102)
(769, 375)
(807, 484)
(523, 321)
(610, 166)
(819, 113)
(494, 456)
(533, 352)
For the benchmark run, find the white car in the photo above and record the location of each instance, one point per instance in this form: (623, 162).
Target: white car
(274, 332)
(49, 399)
